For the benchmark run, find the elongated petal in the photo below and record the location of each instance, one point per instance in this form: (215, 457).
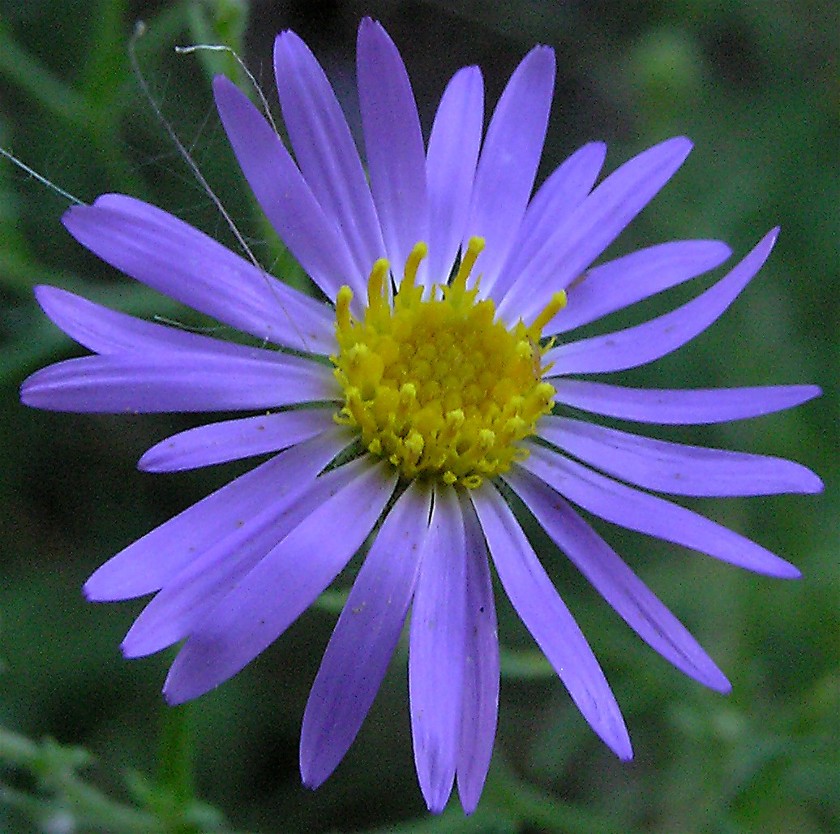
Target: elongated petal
(680, 407)
(109, 332)
(281, 587)
(509, 159)
(619, 586)
(325, 151)
(172, 257)
(624, 281)
(187, 597)
(235, 439)
(176, 382)
(656, 338)
(675, 467)
(652, 515)
(556, 198)
(393, 143)
(549, 621)
(437, 643)
(480, 708)
(284, 195)
(597, 222)
(364, 638)
(152, 561)
(450, 167)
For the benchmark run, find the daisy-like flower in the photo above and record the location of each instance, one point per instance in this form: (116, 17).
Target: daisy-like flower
(435, 385)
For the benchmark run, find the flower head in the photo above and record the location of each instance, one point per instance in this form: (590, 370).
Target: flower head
(435, 385)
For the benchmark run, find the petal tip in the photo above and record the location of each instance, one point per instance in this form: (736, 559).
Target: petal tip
(616, 736)
(545, 51)
(621, 746)
(44, 292)
(598, 148)
(679, 147)
(285, 45)
(25, 393)
(171, 693)
(69, 218)
(791, 572)
(153, 461)
(812, 483)
(89, 591)
(436, 805)
(129, 648)
(173, 700)
(715, 680)
(309, 775)
(769, 240)
(98, 588)
(369, 26)
(223, 87)
(540, 63)
(724, 687)
(146, 464)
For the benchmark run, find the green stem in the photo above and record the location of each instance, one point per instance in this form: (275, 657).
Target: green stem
(105, 70)
(175, 759)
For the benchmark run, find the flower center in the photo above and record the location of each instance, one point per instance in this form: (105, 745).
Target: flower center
(439, 387)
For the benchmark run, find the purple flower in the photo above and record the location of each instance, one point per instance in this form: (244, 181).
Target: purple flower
(434, 384)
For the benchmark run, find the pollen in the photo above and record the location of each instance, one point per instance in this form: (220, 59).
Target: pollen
(438, 385)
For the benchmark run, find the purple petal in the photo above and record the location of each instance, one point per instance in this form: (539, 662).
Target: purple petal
(562, 192)
(235, 439)
(265, 602)
(152, 561)
(194, 591)
(576, 242)
(325, 150)
(170, 256)
(284, 195)
(651, 515)
(177, 382)
(680, 407)
(619, 586)
(624, 281)
(109, 332)
(450, 167)
(675, 467)
(656, 338)
(509, 159)
(480, 707)
(436, 658)
(393, 143)
(364, 638)
(549, 621)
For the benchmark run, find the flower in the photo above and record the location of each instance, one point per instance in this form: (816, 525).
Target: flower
(424, 400)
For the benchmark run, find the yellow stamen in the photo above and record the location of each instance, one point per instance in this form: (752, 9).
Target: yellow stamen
(475, 247)
(418, 252)
(436, 385)
(554, 306)
(376, 283)
(342, 308)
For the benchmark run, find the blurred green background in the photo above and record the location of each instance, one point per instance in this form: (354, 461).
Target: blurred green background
(755, 85)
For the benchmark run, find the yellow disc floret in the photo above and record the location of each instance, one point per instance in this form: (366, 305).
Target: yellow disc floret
(438, 386)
